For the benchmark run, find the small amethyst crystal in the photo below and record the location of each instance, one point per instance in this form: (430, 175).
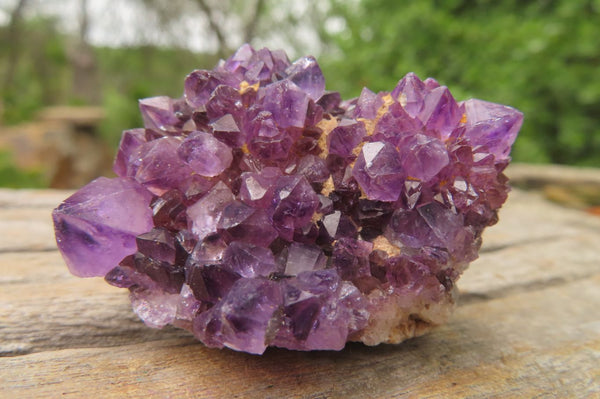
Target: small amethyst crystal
(261, 210)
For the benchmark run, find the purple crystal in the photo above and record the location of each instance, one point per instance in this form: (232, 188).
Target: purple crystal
(493, 125)
(208, 251)
(337, 225)
(130, 141)
(158, 113)
(266, 140)
(345, 137)
(410, 92)
(96, 227)
(155, 308)
(261, 210)
(242, 319)
(294, 204)
(210, 283)
(159, 168)
(395, 125)
(409, 275)
(316, 314)
(225, 100)
(234, 214)
(431, 225)
(205, 214)
(204, 154)
(303, 257)
(423, 157)
(351, 258)
(255, 66)
(256, 229)
(249, 260)
(307, 75)
(440, 113)
(168, 210)
(378, 171)
(240, 59)
(199, 86)
(287, 103)
(227, 130)
(368, 104)
(330, 102)
(257, 189)
(313, 168)
(159, 244)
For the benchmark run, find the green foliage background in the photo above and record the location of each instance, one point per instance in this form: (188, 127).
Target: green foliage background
(129, 74)
(44, 76)
(542, 57)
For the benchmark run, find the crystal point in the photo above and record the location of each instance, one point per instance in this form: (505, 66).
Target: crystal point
(96, 227)
(379, 172)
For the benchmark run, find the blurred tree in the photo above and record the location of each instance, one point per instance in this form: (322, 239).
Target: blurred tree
(252, 21)
(41, 75)
(215, 26)
(539, 56)
(230, 23)
(83, 61)
(13, 35)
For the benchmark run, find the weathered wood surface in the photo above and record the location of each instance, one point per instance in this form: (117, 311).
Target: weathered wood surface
(571, 186)
(528, 326)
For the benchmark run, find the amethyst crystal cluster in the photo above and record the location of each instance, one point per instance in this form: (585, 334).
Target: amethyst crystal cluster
(261, 210)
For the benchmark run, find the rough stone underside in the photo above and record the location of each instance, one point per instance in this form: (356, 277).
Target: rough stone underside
(261, 210)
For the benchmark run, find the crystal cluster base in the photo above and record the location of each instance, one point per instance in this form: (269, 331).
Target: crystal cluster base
(261, 210)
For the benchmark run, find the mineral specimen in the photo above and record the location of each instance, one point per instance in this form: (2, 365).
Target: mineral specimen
(261, 210)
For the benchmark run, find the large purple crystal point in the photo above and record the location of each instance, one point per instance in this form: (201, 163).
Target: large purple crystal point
(261, 210)
(96, 227)
(493, 125)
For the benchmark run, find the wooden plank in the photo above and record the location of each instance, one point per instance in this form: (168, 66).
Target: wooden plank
(537, 175)
(506, 347)
(46, 199)
(42, 308)
(26, 230)
(25, 221)
(535, 243)
(572, 186)
(527, 325)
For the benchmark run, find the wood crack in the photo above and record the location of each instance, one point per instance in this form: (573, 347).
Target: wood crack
(18, 250)
(532, 241)
(468, 298)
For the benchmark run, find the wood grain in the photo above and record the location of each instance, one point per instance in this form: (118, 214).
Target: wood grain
(528, 325)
